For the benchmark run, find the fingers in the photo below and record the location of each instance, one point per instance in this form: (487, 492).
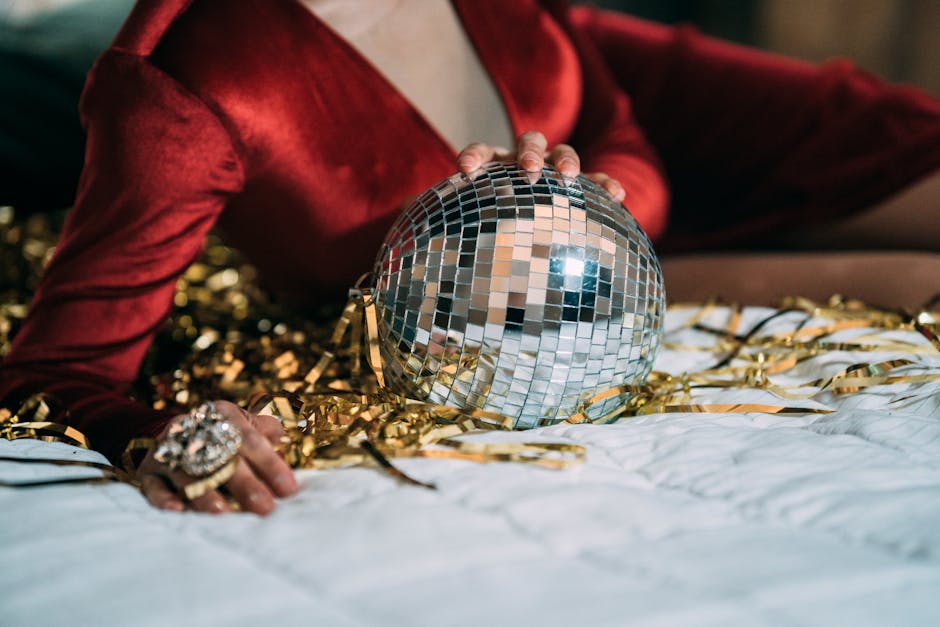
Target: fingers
(530, 155)
(259, 472)
(210, 503)
(231, 410)
(250, 492)
(267, 464)
(530, 151)
(157, 491)
(269, 426)
(260, 436)
(159, 494)
(474, 156)
(612, 186)
(566, 160)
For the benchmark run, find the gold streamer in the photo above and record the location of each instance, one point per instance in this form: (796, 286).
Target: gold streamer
(30, 421)
(237, 344)
(194, 490)
(372, 335)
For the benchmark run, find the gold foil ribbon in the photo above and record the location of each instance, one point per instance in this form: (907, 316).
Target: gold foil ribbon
(238, 344)
(29, 421)
(194, 490)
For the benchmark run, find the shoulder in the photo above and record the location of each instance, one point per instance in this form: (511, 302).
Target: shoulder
(132, 65)
(146, 25)
(191, 31)
(202, 49)
(129, 92)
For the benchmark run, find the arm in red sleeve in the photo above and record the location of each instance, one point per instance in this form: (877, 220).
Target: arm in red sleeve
(753, 142)
(159, 169)
(608, 137)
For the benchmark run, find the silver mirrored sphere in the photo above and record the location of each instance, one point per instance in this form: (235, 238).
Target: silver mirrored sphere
(518, 297)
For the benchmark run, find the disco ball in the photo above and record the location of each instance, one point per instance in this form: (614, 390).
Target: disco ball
(526, 299)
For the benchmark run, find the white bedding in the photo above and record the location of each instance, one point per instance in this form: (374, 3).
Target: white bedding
(691, 519)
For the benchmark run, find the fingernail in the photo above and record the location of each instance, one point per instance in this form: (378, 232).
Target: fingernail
(528, 158)
(285, 484)
(567, 166)
(173, 506)
(217, 506)
(466, 163)
(260, 501)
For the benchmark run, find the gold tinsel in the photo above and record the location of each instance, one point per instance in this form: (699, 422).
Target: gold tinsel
(227, 339)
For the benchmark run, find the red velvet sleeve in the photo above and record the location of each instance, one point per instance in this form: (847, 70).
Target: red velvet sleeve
(159, 168)
(609, 139)
(753, 142)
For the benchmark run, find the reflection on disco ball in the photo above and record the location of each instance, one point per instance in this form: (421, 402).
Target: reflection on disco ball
(520, 298)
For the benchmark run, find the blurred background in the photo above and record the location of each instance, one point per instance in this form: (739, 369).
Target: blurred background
(47, 46)
(896, 39)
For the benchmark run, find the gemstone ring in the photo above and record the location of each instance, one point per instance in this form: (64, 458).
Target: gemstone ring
(199, 443)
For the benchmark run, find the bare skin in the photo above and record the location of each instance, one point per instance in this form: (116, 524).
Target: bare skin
(532, 153)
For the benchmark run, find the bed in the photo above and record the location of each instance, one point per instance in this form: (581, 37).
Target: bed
(701, 512)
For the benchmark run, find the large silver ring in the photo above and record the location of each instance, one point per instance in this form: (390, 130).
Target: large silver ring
(199, 443)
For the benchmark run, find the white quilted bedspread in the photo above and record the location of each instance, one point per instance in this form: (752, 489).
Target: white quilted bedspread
(675, 519)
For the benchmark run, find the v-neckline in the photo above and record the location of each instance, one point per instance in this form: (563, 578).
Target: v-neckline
(498, 84)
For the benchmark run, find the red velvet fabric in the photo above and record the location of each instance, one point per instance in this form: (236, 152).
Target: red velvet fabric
(756, 144)
(255, 116)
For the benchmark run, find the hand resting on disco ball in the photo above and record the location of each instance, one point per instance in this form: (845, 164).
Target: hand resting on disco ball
(520, 298)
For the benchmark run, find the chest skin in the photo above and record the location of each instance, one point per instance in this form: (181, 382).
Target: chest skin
(424, 51)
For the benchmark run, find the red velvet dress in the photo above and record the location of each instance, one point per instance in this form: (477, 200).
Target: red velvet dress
(256, 117)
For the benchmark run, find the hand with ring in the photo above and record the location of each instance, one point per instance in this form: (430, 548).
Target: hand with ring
(532, 153)
(217, 444)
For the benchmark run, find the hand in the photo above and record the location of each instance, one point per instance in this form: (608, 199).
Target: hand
(260, 474)
(531, 153)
